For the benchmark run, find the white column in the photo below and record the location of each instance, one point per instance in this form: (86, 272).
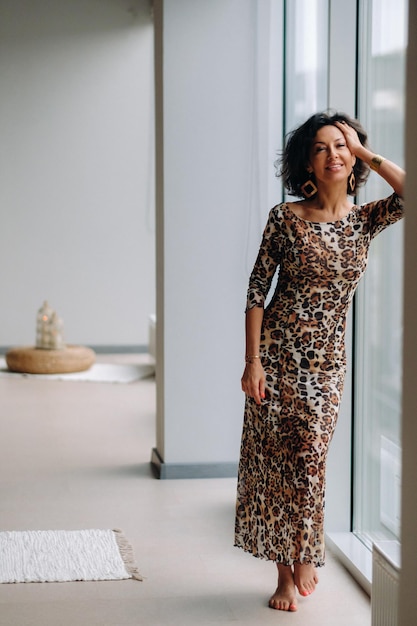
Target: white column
(213, 156)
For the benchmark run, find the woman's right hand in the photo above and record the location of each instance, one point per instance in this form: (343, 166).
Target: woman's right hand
(253, 381)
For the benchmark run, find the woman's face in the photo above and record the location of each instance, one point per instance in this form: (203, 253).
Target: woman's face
(330, 158)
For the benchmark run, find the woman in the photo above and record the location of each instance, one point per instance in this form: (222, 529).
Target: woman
(295, 354)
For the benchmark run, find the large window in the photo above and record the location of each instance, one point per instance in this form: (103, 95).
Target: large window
(377, 464)
(320, 71)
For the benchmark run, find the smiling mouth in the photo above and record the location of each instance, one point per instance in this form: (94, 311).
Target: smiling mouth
(334, 166)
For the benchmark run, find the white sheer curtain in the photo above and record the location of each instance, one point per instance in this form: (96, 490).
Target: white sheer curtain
(306, 59)
(266, 130)
(290, 83)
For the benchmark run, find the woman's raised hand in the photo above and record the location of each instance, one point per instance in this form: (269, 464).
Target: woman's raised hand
(351, 137)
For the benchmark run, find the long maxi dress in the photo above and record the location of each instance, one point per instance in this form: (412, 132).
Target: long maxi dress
(281, 483)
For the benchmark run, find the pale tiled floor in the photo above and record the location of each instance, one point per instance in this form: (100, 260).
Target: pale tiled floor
(76, 455)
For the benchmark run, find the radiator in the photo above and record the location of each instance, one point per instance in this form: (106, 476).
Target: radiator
(385, 583)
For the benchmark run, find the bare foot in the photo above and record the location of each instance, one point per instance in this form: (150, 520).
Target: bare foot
(284, 598)
(305, 578)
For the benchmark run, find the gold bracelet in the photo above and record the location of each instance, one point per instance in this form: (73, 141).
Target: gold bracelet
(249, 359)
(376, 161)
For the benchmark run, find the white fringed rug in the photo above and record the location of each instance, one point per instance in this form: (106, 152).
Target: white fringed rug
(99, 373)
(65, 555)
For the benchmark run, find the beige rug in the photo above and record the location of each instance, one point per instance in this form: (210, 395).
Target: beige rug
(65, 555)
(99, 373)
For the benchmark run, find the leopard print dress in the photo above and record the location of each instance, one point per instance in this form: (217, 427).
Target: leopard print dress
(281, 483)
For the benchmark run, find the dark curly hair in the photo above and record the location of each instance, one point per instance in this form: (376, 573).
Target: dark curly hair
(292, 165)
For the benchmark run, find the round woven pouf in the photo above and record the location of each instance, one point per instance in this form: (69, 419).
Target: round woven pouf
(30, 360)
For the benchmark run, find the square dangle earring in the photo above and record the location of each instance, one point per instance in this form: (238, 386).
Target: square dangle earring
(352, 182)
(308, 189)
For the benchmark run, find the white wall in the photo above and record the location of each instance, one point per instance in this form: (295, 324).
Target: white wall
(76, 168)
(213, 160)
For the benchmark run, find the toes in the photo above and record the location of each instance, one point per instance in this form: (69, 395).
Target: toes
(306, 589)
(306, 580)
(275, 604)
(282, 605)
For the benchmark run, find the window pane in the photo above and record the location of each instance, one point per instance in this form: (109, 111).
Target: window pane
(379, 299)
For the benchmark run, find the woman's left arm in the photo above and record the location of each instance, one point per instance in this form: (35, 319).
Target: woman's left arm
(390, 172)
